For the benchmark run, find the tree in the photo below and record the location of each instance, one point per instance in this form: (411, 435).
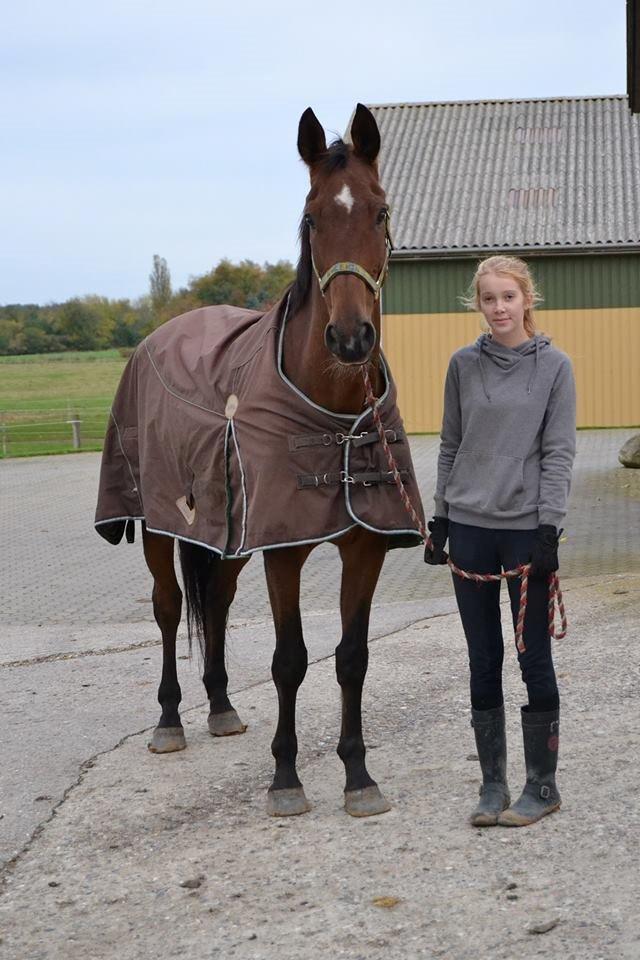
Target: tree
(92, 323)
(26, 328)
(38, 335)
(245, 284)
(129, 321)
(159, 284)
(12, 340)
(278, 276)
(81, 324)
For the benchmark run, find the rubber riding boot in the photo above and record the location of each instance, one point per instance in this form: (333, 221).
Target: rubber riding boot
(491, 743)
(540, 796)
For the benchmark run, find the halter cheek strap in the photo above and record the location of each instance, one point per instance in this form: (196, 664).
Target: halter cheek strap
(348, 266)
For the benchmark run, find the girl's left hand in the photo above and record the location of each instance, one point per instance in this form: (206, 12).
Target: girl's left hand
(544, 555)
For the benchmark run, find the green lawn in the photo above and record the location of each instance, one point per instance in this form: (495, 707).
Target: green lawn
(39, 393)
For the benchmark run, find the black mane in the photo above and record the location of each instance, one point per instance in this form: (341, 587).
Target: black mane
(335, 158)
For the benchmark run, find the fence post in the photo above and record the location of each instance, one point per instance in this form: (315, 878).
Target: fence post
(75, 426)
(3, 431)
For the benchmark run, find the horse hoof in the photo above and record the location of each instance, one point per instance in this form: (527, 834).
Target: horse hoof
(367, 802)
(167, 740)
(287, 803)
(225, 724)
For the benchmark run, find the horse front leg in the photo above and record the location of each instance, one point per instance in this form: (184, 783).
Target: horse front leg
(286, 795)
(168, 736)
(362, 556)
(223, 720)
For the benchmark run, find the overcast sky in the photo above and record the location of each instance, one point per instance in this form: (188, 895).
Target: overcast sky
(134, 127)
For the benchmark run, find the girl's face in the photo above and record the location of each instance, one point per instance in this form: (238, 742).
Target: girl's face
(503, 304)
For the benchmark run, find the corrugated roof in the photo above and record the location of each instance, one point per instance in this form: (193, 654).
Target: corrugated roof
(511, 174)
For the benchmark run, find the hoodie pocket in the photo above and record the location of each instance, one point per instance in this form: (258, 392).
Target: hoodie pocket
(484, 483)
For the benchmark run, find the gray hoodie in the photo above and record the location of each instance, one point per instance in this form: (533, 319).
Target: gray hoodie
(508, 435)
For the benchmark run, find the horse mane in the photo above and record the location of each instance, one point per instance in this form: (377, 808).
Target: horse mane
(336, 157)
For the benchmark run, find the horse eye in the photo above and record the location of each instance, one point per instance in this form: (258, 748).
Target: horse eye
(382, 216)
(308, 219)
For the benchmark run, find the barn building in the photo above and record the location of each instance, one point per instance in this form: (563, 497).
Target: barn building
(556, 181)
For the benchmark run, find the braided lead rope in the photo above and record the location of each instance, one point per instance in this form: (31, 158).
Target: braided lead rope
(555, 593)
(555, 597)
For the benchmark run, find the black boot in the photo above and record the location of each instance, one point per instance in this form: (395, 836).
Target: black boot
(491, 743)
(540, 796)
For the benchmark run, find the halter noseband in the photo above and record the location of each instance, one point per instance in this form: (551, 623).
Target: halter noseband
(347, 266)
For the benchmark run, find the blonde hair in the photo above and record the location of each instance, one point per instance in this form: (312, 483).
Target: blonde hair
(516, 269)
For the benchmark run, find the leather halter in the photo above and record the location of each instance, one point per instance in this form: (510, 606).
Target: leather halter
(348, 266)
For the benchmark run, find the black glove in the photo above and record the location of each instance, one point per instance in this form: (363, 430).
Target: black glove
(439, 529)
(544, 555)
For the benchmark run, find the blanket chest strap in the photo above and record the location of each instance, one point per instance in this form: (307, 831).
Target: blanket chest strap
(327, 439)
(366, 479)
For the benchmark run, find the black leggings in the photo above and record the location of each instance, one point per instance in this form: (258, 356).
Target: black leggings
(479, 550)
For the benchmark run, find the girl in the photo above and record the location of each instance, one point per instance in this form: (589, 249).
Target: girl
(504, 470)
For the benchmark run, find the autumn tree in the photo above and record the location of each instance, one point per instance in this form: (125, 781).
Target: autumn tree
(159, 284)
(25, 329)
(245, 284)
(93, 322)
(82, 323)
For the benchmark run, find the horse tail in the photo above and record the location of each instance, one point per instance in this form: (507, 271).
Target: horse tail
(199, 568)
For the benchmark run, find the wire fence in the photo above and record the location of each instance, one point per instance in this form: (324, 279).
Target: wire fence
(25, 433)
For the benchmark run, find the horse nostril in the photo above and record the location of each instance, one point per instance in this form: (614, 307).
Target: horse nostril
(331, 337)
(367, 336)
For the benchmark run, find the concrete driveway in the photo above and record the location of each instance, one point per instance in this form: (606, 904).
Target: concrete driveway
(97, 838)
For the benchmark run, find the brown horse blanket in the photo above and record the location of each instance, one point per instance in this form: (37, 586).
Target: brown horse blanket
(209, 441)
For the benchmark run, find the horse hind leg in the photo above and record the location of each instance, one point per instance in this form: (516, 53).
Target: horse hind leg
(223, 720)
(168, 736)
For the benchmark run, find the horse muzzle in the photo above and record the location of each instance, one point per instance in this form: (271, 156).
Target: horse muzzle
(353, 349)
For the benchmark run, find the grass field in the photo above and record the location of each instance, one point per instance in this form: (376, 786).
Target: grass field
(40, 393)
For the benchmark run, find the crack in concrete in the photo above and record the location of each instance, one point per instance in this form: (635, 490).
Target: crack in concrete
(127, 648)
(104, 651)
(73, 655)
(85, 766)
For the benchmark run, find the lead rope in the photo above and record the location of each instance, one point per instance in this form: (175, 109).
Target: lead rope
(555, 593)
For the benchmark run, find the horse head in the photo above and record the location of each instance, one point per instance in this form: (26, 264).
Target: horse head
(345, 228)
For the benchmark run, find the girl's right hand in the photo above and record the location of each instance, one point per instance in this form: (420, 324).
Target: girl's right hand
(439, 529)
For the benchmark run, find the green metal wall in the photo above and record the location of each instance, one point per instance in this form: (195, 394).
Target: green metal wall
(566, 282)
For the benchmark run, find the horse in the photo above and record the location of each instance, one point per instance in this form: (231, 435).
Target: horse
(324, 333)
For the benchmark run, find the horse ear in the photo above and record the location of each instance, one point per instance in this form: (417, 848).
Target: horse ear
(365, 135)
(311, 139)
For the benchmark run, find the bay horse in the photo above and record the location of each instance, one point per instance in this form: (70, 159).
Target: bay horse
(329, 322)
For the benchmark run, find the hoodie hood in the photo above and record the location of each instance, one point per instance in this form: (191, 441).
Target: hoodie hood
(507, 359)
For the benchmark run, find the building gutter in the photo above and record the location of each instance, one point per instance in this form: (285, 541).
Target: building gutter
(464, 253)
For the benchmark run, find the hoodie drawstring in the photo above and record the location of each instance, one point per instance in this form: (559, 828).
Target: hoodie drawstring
(534, 374)
(507, 359)
(482, 377)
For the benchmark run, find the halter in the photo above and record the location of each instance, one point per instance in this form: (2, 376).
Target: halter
(347, 266)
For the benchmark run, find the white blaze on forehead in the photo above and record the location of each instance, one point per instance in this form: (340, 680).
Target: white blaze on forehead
(345, 198)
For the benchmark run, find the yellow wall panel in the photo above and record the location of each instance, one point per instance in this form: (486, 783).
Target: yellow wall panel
(604, 346)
